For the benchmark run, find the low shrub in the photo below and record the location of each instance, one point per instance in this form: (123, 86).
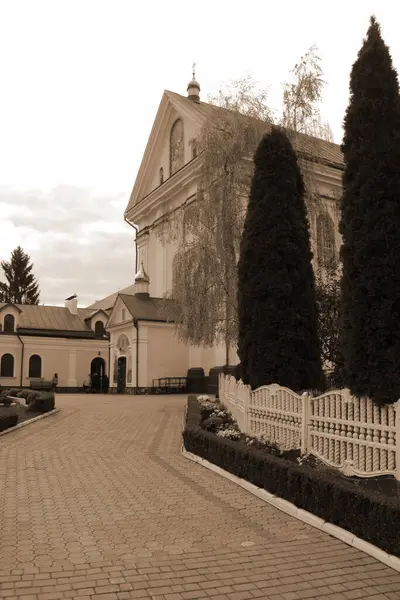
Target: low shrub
(212, 423)
(32, 396)
(7, 421)
(369, 515)
(42, 402)
(4, 399)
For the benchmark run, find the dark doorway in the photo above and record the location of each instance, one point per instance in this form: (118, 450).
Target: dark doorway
(97, 372)
(121, 380)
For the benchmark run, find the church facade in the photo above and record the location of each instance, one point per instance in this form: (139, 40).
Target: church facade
(167, 179)
(128, 335)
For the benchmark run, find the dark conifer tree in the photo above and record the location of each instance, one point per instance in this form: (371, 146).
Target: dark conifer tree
(278, 323)
(21, 286)
(370, 225)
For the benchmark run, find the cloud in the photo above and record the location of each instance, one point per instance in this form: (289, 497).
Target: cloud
(78, 242)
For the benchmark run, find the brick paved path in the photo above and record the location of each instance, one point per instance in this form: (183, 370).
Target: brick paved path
(97, 502)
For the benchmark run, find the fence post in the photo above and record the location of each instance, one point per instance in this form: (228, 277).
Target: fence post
(397, 424)
(246, 404)
(305, 422)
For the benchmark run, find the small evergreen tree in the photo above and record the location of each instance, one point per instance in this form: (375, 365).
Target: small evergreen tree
(370, 225)
(278, 322)
(21, 286)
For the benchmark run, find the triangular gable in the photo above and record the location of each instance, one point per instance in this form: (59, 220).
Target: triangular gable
(10, 305)
(96, 312)
(172, 106)
(114, 318)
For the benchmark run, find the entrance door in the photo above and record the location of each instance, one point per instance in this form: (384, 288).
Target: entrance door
(121, 379)
(97, 372)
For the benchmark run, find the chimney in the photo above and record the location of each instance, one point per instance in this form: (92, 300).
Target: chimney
(142, 283)
(72, 304)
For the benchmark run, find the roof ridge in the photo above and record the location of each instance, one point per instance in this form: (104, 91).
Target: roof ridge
(305, 136)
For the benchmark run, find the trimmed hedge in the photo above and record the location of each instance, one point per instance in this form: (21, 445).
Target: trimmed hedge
(371, 516)
(7, 421)
(42, 402)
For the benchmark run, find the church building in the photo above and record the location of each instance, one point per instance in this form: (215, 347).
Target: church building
(38, 341)
(128, 335)
(167, 179)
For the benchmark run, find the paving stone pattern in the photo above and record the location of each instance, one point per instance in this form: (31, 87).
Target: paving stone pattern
(97, 502)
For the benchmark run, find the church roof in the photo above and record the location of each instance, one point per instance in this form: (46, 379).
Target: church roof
(108, 302)
(151, 309)
(305, 144)
(51, 318)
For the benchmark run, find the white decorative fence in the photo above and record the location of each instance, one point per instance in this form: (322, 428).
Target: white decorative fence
(348, 433)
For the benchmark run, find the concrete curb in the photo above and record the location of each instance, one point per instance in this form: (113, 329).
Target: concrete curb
(29, 421)
(302, 515)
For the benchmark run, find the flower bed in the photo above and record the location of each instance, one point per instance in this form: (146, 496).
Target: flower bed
(367, 514)
(14, 411)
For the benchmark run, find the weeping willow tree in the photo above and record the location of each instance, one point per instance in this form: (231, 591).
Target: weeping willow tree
(207, 229)
(302, 120)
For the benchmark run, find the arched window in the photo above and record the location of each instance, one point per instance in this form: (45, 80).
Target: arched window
(123, 343)
(326, 253)
(176, 149)
(9, 324)
(161, 175)
(99, 329)
(35, 366)
(7, 365)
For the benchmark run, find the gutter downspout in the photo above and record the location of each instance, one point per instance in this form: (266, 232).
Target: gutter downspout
(22, 360)
(136, 324)
(136, 228)
(109, 360)
(136, 232)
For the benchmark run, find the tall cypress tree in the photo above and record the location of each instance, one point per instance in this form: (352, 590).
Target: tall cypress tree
(278, 339)
(370, 225)
(21, 286)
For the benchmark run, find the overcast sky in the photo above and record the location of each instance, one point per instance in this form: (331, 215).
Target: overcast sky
(81, 81)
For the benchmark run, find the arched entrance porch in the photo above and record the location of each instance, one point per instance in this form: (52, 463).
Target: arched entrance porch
(97, 373)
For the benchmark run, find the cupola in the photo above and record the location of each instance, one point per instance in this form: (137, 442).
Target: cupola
(193, 88)
(142, 283)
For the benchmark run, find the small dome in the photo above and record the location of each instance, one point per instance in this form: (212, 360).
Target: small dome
(141, 275)
(193, 83)
(193, 88)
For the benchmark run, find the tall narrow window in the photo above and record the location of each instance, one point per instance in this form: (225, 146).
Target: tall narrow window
(99, 329)
(161, 175)
(176, 149)
(326, 253)
(9, 324)
(7, 365)
(193, 145)
(35, 366)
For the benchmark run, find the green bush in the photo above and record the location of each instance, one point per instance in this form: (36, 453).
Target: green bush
(7, 421)
(212, 423)
(32, 396)
(43, 402)
(371, 516)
